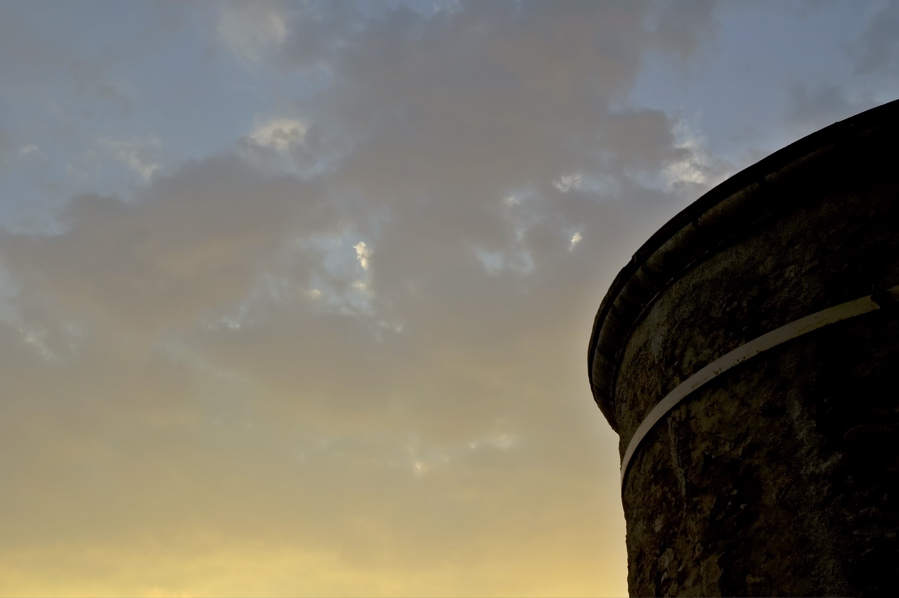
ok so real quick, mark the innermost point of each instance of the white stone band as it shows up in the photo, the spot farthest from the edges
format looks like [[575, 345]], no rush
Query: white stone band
[[747, 351]]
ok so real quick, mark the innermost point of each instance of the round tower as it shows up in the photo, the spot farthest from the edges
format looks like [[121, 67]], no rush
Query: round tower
[[748, 357]]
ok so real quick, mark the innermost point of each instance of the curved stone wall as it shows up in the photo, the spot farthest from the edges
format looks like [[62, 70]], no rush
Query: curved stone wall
[[777, 476]]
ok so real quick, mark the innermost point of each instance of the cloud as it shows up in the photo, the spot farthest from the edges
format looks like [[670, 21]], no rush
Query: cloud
[[575, 239], [134, 153], [363, 253], [193, 241], [279, 134], [29, 150], [567, 182], [251, 31], [225, 260], [220, 348], [695, 168], [285, 145]]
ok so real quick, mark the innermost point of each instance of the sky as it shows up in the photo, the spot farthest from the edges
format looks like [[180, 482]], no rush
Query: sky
[[295, 296]]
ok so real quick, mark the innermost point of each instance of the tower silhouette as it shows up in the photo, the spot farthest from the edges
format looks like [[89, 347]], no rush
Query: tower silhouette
[[748, 357]]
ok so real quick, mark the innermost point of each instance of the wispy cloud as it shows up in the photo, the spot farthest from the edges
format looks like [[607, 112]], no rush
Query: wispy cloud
[[135, 153]]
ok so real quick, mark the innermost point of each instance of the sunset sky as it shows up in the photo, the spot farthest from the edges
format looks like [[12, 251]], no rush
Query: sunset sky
[[295, 296]]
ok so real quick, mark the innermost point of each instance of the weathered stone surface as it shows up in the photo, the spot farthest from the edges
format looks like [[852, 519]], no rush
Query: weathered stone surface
[[779, 476]]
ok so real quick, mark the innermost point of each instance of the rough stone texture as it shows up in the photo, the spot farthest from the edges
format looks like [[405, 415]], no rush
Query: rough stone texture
[[779, 477]]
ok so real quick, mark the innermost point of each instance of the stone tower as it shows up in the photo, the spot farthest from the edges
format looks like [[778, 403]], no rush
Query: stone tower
[[748, 357]]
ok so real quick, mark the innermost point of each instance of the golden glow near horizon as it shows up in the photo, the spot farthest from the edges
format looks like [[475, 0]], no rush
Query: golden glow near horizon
[[295, 297]]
